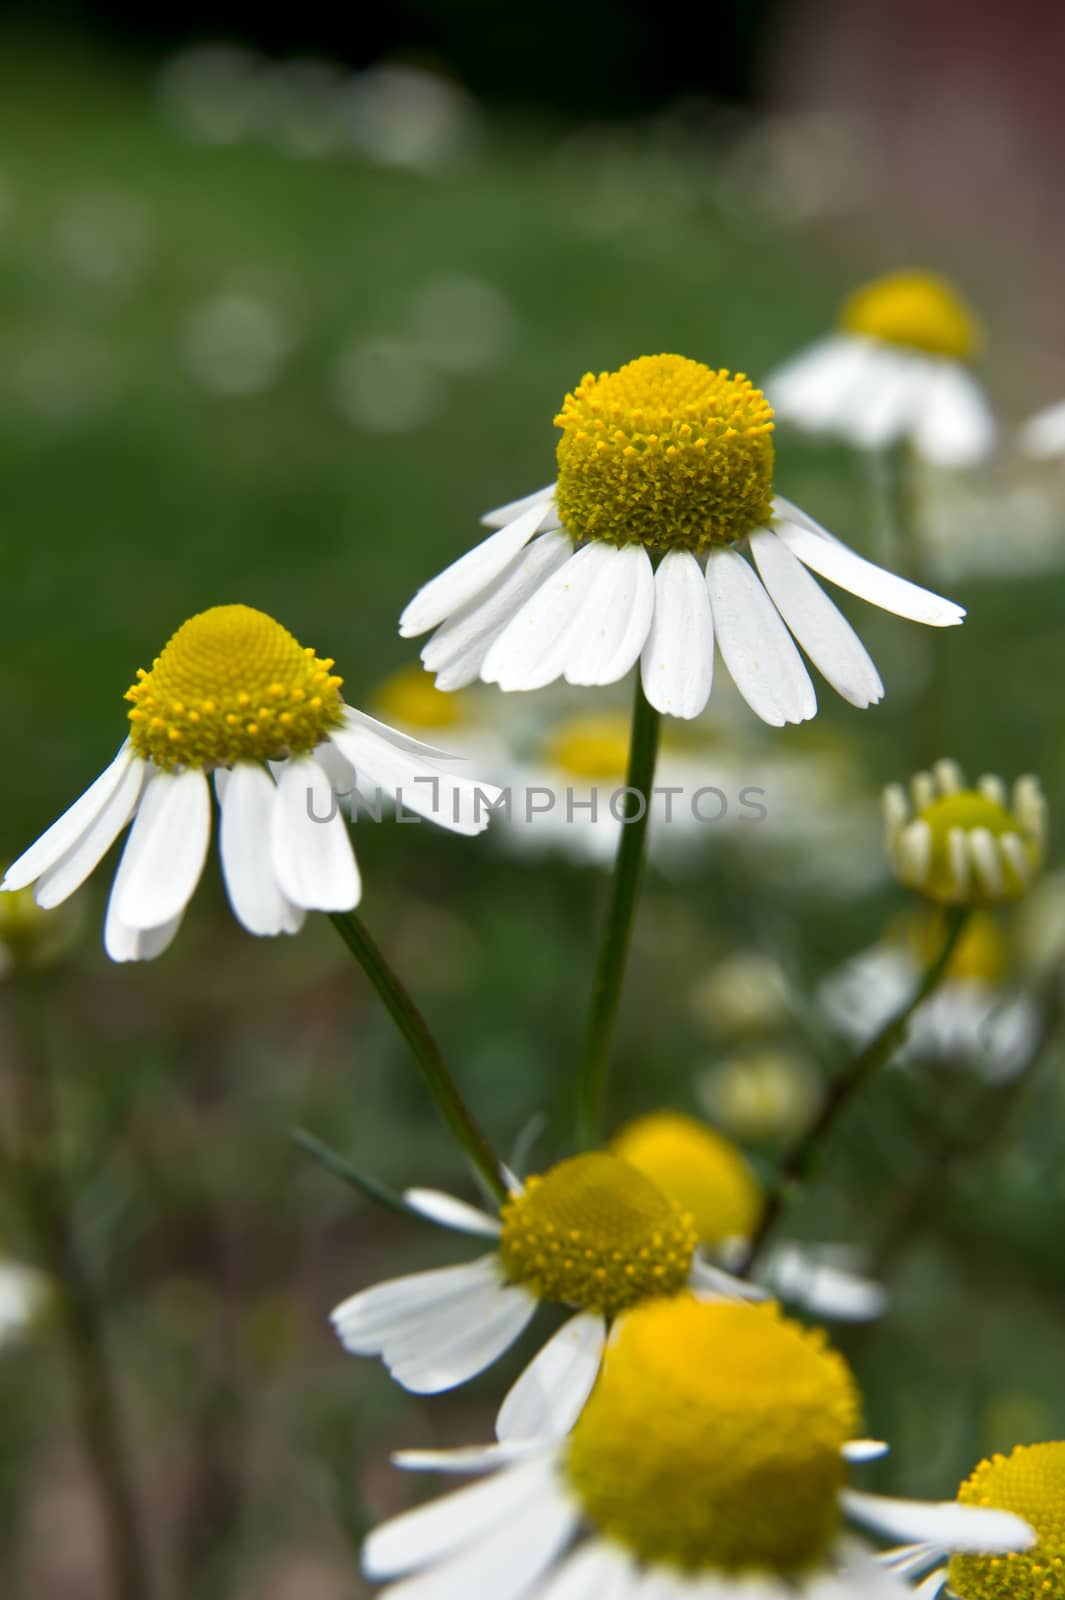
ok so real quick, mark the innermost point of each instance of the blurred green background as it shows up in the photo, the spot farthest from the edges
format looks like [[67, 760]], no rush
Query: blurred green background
[[273, 336]]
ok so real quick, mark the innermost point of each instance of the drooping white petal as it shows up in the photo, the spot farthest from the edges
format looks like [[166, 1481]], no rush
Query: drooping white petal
[[1043, 435], [840, 565], [855, 1574], [531, 650], [910, 1560], [66, 830], [864, 1450], [471, 573], [60, 880], [455, 1348], [426, 785], [932, 1586], [797, 1273], [452, 1213], [954, 425], [677, 667], [502, 515], [365, 1321], [353, 718], [613, 623], [165, 851], [456, 651], [247, 801], [712, 1282], [883, 404], [754, 643], [817, 390], [550, 1394], [820, 627], [434, 1531], [474, 1458], [123, 943], [595, 1571], [313, 861], [508, 1558], [971, 1529]]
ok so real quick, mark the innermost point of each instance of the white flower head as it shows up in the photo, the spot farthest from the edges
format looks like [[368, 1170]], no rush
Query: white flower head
[[709, 1463], [898, 368], [639, 552], [233, 694]]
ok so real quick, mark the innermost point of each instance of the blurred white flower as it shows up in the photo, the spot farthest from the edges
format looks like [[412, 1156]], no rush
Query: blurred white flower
[[1043, 435], [105, 236], [235, 344], [404, 116], [211, 93]]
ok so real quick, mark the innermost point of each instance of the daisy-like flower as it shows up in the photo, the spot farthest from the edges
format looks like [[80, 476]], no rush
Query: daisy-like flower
[[235, 696], [709, 1462], [1030, 1483], [973, 1020], [1042, 437], [965, 847], [592, 1234], [707, 1176], [639, 553], [898, 367]]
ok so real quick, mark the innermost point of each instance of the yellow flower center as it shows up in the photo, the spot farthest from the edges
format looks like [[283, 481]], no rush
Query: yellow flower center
[[596, 748], [666, 452], [712, 1439], [1031, 1484], [232, 685], [981, 954], [701, 1171], [410, 696], [968, 809], [918, 310], [595, 1233]]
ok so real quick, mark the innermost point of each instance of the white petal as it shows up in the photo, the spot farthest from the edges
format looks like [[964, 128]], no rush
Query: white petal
[[311, 852], [614, 621], [813, 390], [754, 643], [433, 1531], [678, 659], [502, 515], [948, 1524], [452, 1213], [596, 1571], [457, 649], [66, 830], [1043, 435], [709, 1281], [822, 630], [473, 1458], [504, 1564], [983, 853], [883, 404], [426, 785], [550, 1394], [857, 1575], [932, 1586], [366, 1320], [456, 1348], [531, 650], [165, 851], [954, 426], [864, 1450], [59, 881], [471, 573], [123, 943], [247, 802], [852, 572], [795, 1273]]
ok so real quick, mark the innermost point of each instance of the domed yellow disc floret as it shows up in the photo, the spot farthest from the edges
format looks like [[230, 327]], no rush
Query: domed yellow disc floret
[[967, 811], [590, 747], [918, 310], [965, 846], [410, 696], [712, 1439], [232, 685], [665, 452], [705, 1174], [595, 1233], [980, 956], [1031, 1484]]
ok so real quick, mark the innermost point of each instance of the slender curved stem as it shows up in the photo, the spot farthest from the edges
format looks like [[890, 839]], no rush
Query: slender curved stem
[[617, 930], [854, 1076], [424, 1048]]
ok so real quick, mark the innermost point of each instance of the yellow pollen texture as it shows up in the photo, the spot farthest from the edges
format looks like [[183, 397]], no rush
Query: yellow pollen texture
[[918, 310], [968, 809], [704, 1173], [1031, 1484], [232, 685], [595, 1233], [711, 1442], [667, 453]]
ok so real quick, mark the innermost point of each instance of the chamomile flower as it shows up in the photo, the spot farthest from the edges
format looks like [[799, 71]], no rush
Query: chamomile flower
[[703, 1172], [1042, 437], [974, 1020], [961, 846], [234, 695], [639, 553], [592, 1233], [709, 1463], [1029, 1483], [898, 367]]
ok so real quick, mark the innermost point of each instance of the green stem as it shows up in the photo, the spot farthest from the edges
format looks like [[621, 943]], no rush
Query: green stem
[[424, 1048], [617, 930], [855, 1075]]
